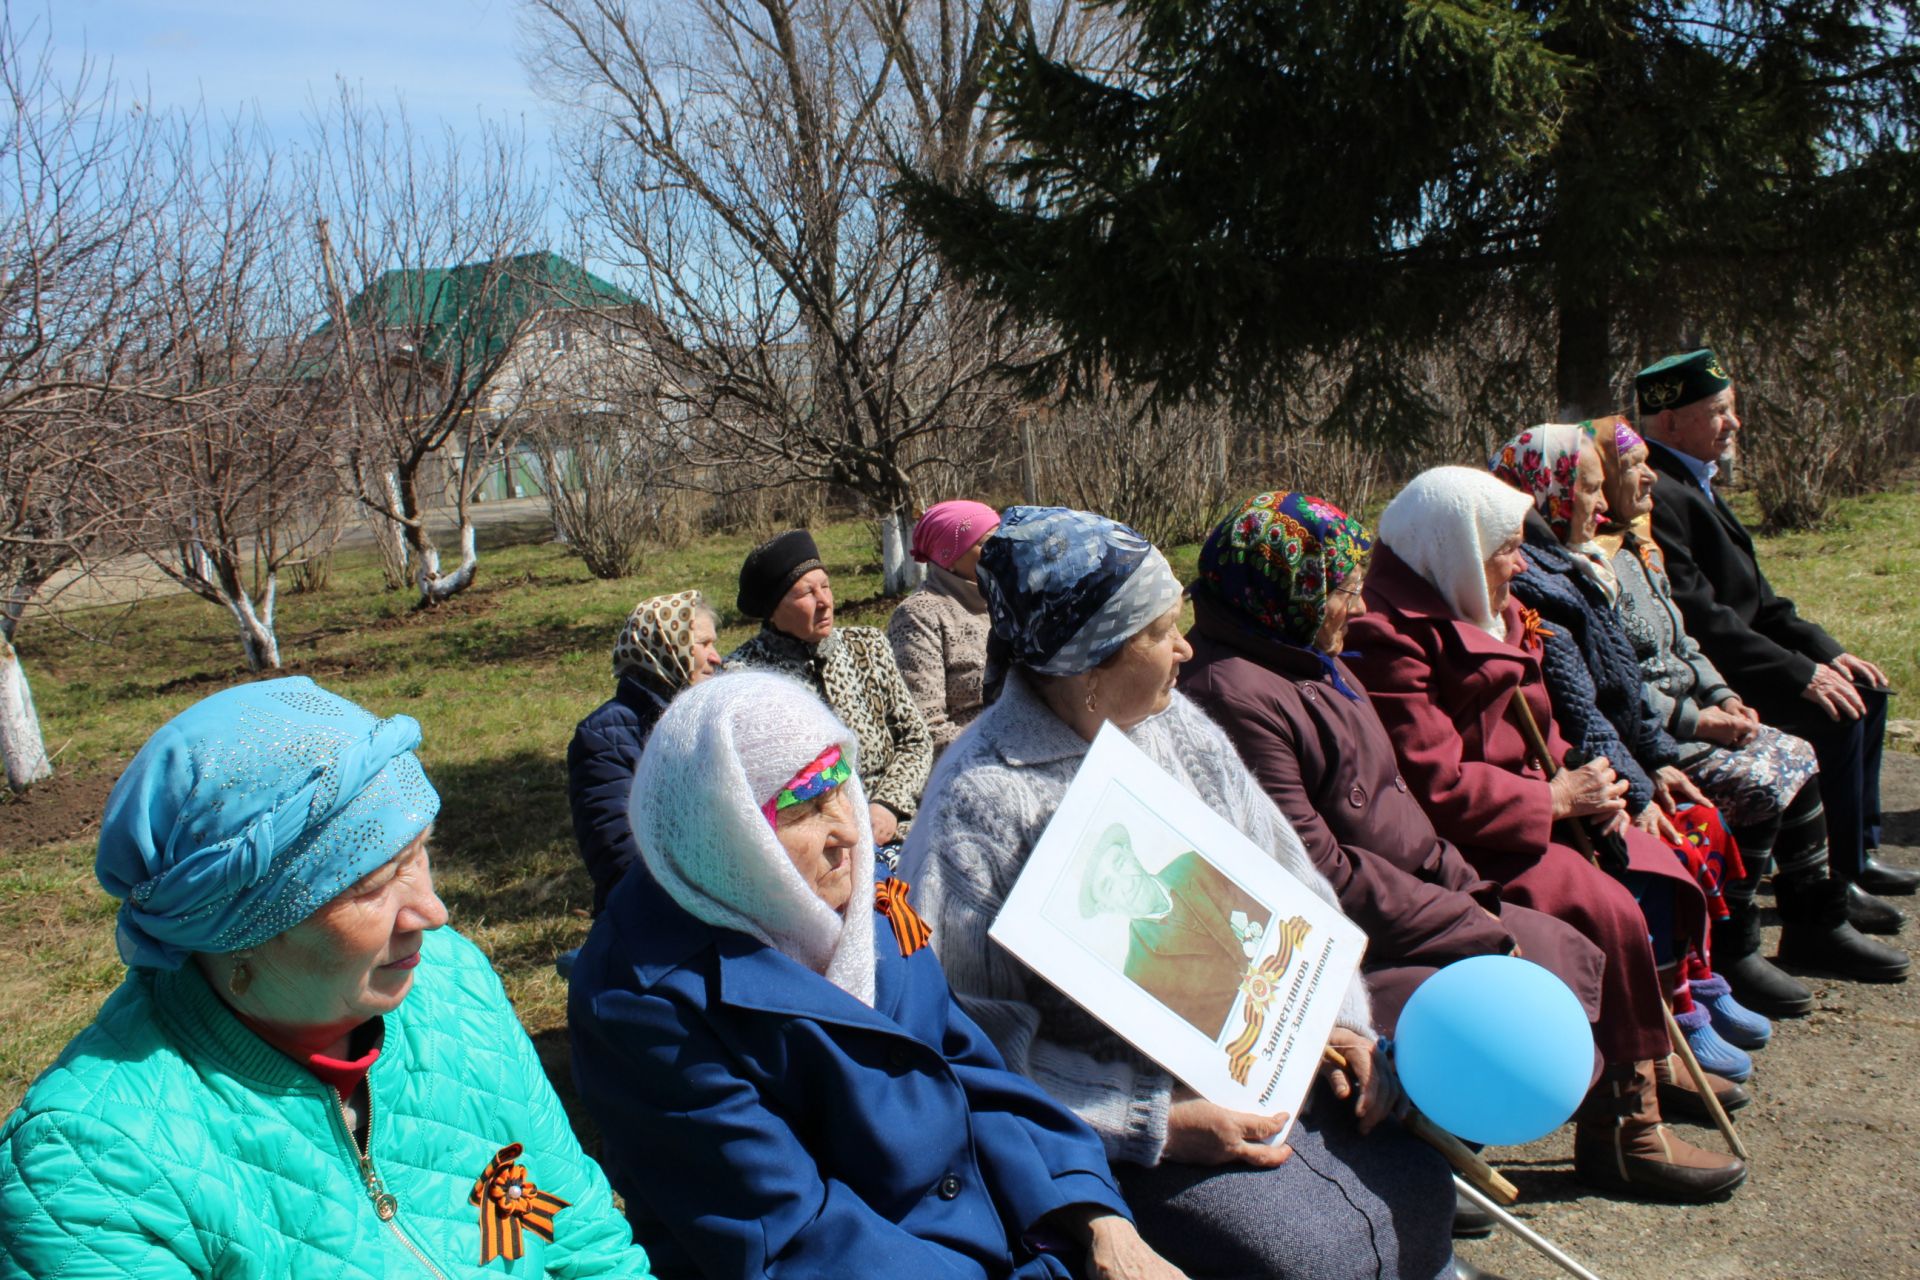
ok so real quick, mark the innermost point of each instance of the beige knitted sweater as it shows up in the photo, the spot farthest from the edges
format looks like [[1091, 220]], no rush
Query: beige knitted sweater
[[939, 638]]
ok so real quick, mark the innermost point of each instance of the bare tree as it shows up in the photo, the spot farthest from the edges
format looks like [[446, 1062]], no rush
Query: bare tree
[[426, 254], [248, 464], [735, 157], [76, 175]]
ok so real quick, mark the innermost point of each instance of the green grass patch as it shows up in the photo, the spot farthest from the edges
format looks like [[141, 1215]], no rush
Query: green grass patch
[[497, 678]]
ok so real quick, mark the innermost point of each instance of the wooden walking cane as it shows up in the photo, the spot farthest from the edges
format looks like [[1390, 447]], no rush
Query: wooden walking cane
[[1537, 743], [1461, 1156]]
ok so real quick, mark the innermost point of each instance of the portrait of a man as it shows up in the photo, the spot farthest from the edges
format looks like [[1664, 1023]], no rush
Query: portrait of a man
[[1192, 932]]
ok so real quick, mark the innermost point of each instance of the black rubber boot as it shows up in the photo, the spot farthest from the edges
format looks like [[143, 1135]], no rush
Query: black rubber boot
[[1815, 934], [1755, 982]]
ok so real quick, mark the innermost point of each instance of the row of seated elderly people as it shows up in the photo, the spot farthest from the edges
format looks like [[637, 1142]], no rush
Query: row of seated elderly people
[[305, 1072]]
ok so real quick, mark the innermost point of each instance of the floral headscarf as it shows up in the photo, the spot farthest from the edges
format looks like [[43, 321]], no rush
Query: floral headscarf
[[1066, 588], [1541, 462], [656, 645], [1275, 561]]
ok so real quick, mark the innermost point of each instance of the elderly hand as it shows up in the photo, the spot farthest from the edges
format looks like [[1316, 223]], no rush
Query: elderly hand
[[1726, 726], [1115, 1251], [1834, 694], [1861, 670], [1590, 790], [885, 825], [1654, 821], [1199, 1132], [1739, 708], [1379, 1088], [1673, 788]]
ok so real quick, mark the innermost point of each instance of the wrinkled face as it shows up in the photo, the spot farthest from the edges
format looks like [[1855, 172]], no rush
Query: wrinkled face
[[1630, 489], [1589, 498], [706, 654], [353, 959], [1502, 565], [820, 836], [806, 611], [1137, 681], [1118, 884], [1705, 429], [1344, 604]]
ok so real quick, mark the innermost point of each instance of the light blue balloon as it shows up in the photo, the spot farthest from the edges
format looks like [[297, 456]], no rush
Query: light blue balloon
[[1494, 1049]]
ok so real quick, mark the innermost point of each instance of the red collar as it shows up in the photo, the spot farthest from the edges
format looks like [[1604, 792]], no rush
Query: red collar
[[343, 1074]]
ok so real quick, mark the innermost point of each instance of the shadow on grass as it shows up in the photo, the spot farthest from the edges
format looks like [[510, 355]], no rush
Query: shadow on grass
[[503, 842]]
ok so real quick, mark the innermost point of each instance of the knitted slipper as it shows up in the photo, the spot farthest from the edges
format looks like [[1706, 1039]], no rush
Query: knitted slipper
[[1737, 1024], [1715, 1054]]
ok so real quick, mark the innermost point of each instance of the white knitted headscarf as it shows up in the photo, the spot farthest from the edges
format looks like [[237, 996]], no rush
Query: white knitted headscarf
[[717, 753], [1445, 524]]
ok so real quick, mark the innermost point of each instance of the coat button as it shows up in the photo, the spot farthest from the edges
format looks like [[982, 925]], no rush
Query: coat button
[[1308, 692], [1356, 797], [949, 1187], [1399, 783]]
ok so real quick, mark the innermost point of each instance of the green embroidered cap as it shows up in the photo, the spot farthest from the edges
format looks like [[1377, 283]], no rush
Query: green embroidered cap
[[1680, 380]]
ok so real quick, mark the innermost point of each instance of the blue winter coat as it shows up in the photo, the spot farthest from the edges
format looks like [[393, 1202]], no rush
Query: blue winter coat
[[601, 759], [1590, 668], [760, 1121]]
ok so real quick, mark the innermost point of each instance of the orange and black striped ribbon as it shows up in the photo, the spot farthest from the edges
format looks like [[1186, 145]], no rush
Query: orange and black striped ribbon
[[1532, 630], [1239, 1050], [510, 1202], [909, 930]]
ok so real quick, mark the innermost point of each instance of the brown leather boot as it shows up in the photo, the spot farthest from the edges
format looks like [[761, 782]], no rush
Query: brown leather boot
[[1680, 1100], [1620, 1145]]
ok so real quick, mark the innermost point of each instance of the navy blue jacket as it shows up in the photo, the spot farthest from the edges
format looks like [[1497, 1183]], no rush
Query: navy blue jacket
[[1590, 668], [760, 1121], [601, 759]]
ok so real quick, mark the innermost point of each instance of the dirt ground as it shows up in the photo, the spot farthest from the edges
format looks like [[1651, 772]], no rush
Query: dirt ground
[[1834, 1131]]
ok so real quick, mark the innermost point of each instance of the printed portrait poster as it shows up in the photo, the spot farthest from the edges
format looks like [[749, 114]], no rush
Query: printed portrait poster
[[1157, 916]]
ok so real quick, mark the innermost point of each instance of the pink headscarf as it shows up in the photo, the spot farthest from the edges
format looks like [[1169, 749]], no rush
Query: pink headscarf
[[949, 529]]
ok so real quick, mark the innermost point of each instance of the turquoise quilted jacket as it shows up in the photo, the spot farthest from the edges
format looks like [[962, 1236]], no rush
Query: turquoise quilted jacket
[[170, 1141]]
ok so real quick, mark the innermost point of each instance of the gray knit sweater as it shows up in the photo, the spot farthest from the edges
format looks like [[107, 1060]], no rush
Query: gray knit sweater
[[991, 796]]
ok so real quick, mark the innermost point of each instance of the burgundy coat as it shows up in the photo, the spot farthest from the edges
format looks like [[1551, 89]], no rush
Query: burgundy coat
[[1326, 761], [1442, 688]]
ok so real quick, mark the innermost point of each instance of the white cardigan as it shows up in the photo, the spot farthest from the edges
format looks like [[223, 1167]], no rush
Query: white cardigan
[[991, 796]]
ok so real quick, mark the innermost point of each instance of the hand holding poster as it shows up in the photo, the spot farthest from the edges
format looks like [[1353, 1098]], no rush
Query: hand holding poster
[[1158, 917]]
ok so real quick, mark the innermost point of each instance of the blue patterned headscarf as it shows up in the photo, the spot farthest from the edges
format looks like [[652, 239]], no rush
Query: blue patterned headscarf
[[251, 809], [1065, 589]]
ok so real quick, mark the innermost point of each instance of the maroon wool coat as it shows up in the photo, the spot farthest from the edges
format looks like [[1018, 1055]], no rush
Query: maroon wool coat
[[1327, 762], [1442, 688]]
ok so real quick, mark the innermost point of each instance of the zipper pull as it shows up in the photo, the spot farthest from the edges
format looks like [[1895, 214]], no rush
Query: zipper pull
[[385, 1205]]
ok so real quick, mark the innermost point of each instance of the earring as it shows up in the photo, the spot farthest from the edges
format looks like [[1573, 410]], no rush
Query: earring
[[241, 977], [1093, 698]]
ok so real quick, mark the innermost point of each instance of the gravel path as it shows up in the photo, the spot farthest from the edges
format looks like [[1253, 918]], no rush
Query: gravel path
[[1835, 1183]]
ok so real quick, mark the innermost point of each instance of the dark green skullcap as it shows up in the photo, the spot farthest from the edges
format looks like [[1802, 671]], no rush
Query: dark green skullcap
[[1678, 381]]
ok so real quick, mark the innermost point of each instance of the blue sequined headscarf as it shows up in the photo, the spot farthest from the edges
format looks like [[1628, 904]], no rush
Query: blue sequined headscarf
[[250, 810], [1065, 588]]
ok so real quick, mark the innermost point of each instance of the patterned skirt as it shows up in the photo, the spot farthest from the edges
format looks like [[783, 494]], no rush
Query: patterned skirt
[[1754, 783]]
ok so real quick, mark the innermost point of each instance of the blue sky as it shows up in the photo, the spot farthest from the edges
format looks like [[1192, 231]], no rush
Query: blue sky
[[453, 60]]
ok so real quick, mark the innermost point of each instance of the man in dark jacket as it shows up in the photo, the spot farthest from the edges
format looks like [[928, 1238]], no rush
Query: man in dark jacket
[[1799, 678]]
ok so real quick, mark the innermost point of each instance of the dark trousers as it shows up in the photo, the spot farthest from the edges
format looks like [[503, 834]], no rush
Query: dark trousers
[[1849, 755]]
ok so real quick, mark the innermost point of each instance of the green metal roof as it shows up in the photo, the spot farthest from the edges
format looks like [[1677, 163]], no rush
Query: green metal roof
[[464, 315]]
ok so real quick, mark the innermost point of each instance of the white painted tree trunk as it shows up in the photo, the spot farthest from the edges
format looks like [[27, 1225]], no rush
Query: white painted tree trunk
[[253, 618], [899, 571], [22, 750], [391, 539], [436, 586]]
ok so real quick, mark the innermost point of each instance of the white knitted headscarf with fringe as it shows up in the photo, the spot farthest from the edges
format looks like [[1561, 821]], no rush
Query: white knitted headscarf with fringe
[[1445, 524], [717, 753]]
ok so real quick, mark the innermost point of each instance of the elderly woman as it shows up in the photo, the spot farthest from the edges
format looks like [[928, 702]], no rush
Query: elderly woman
[[667, 645], [1085, 619], [939, 633], [784, 583], [1455, 677], [1593, 680], [1280, 579], [829, 1110], [1762, 780], [303, 1073]]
